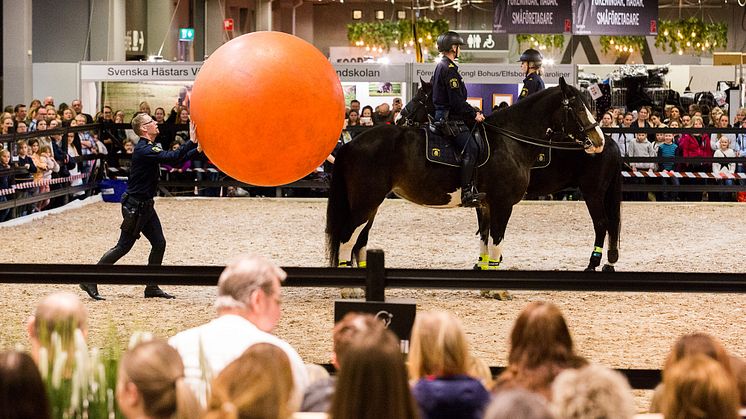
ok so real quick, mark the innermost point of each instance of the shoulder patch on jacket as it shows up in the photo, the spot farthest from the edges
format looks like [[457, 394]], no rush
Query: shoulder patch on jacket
[[451, 65], [454, 83], [156, 149]]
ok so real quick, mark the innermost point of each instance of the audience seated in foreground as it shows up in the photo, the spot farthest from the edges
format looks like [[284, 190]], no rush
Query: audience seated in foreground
[[438, 365], [372, 381], [22, 392], [318, 396], [540, 348], [518, 404], [248, 306], [593, 391], [257, 385], [151, 384]]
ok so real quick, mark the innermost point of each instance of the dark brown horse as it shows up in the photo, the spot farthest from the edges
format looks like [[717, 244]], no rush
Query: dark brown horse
[[392, 158]]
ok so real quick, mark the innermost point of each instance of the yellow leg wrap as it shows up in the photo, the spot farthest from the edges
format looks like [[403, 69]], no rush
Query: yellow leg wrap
[[483, 263], [493, 265], [362, 264]]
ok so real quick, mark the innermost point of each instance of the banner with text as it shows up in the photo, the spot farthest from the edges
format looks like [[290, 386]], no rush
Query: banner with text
[[499, 73], [615, 17], [532, 16], [370, 72], [139, 71]]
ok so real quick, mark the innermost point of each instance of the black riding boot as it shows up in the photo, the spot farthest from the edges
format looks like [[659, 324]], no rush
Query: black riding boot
[[469, 195]]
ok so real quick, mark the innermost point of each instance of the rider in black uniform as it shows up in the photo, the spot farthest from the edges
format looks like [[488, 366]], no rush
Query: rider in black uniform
[[531, 66], [138, 213], [449, 96]]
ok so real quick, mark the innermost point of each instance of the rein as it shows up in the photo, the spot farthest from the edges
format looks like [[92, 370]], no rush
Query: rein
[[571, 145], [548, 140]]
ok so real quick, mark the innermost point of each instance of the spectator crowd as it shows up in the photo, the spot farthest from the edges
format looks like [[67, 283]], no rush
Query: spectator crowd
[[53, 162], [235, 367], [694, 145]]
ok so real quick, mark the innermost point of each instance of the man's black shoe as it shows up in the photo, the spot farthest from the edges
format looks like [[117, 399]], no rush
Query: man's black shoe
[[154, 291], [471, 199], [92, 291]]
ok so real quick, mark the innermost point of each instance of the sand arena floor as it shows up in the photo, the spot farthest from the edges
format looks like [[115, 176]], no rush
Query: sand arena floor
[[624, 330]]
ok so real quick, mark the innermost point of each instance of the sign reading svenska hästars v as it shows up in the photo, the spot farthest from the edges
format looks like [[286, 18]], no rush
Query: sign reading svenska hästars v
[[532, 16], [615, 17]]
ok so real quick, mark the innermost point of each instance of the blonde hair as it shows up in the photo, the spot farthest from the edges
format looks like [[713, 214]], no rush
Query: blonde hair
[[593, 391], [481, 371], [157, 371], [257, 385], [699, 388], [439, 346]]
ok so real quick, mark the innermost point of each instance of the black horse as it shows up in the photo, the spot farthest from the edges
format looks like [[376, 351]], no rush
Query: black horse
[[392, 158]]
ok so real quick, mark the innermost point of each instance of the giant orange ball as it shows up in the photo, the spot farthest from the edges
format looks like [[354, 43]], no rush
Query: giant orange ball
[[268, 108]]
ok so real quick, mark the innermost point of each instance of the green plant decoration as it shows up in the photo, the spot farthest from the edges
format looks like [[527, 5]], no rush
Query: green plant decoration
[[382, 36], [622, 44], [691, 36], [541, 42]]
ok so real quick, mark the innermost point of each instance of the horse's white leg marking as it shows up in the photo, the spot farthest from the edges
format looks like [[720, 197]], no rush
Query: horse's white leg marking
[[362, 256], [496, 252], [345, 249]]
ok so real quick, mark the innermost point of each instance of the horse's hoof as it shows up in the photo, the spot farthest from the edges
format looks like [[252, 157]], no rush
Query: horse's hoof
[[501, 295], [352, 293], [590, 269], [608, 268]]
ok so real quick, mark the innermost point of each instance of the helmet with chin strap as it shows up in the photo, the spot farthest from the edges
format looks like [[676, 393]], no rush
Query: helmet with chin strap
[[446, 40], [532, 56]]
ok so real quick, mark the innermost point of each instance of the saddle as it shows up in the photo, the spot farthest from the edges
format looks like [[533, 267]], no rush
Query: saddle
[[441, 149]]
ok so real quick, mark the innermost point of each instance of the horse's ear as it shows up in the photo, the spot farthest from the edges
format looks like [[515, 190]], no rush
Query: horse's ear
[[563, 86], [422, 82]]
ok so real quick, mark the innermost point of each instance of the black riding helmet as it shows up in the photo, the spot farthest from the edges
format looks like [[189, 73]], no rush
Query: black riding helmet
[[532, 55], [447, 40]]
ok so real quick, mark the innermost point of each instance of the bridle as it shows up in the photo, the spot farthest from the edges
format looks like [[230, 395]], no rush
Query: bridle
[[584, 139], [410, 109]]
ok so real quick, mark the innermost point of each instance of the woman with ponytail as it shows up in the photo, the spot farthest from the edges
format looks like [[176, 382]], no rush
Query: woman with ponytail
[[151, 384]]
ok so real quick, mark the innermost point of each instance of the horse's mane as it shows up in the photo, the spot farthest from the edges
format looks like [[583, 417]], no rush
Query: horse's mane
[[528, 108]]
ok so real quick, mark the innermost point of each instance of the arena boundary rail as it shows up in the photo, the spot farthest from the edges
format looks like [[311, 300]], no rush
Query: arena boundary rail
[[376, 278]]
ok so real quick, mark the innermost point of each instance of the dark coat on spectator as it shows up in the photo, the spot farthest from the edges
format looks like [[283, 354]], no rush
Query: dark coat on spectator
[[454, 397]]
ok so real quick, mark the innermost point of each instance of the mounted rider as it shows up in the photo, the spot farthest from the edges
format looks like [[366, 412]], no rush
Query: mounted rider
[[452, 110], [531, 61]]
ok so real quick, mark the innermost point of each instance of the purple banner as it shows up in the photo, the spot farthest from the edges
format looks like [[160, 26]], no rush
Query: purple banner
[[532, 16], [615, 17]]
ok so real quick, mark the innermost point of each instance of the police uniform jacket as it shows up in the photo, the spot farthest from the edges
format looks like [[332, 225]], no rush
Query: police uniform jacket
[[449, 92], [531, 84], [145, 169]]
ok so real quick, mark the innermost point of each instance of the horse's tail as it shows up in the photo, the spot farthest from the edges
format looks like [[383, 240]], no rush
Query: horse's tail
[[613, 208], [337, 210]]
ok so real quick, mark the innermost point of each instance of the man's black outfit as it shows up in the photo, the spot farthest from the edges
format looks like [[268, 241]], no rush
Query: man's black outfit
[[449, 96], [138, 213]]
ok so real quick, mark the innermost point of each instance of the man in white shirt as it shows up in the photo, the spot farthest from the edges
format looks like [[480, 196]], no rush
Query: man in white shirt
[[248, 306]]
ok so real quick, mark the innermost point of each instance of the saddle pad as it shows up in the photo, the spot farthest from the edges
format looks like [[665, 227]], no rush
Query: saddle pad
[[442, 150]]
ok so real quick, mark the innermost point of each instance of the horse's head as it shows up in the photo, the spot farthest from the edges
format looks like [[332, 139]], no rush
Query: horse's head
[[576, 121], [421, 105]]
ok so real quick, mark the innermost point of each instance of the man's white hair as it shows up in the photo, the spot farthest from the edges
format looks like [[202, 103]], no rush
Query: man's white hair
[[244, 276]]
